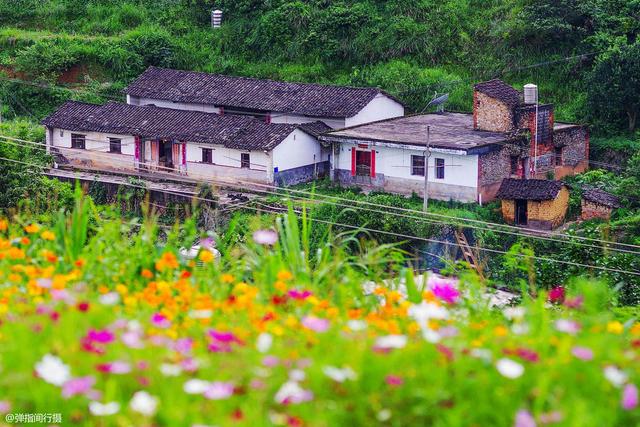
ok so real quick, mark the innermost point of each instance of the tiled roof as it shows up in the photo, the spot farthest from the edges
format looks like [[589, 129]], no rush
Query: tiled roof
[[239, 132], [316, 128], [601, 197], [259, 94], [498, 89], [528, 189]]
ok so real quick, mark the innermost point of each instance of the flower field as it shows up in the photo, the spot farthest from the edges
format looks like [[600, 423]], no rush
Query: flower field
[[106, 324]]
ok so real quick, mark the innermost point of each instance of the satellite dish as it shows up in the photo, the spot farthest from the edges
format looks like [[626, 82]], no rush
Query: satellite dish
[[439, 101]]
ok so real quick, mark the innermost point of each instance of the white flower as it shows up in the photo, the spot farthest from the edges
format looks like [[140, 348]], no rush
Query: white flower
[[265, 237], [430, 335], [200, 314], [567, 326], [509, 368], [52, 370], [481, 353], [514, 313], [520, 329], [291, 392], [384, 415], [297, 375], [357, 325], [170, 369], [615, 376], [111, 298], [338, 374], [264, 342], [391, 341], [144, 403], [195, 386], [426, 311], [103, 409]]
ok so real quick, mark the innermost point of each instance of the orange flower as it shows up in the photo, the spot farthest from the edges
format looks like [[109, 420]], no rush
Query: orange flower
[[47, 235], [33, 228], [79, 263], [4, 224], [146, 273], [284, 275], [206, 256], [167, 260], [25, 241], [227, 278]]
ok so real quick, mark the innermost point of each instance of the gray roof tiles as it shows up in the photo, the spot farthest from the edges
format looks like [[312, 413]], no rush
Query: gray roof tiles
[[529, 189]]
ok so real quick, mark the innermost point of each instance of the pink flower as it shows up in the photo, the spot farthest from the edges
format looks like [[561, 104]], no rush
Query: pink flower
[[96, 340], [265, 237], [183, 345], [5, 406], [270, 361], [582, 353], [160, 321], [568, 326], [524, 419], [446, 291], [557, 295], [394, 380], [316, 324], [575, 302], [75, 386], [221, 341], [218, 390], [629, 397], [116, 367], [299, 295]]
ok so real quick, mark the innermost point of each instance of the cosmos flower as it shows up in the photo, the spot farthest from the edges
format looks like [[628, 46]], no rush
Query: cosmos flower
[[582, 353], [509, 368], [170, 369], [110, 298], [446, 292], [117, 367], [316, 324], [394, 380], [195, 386], [557, 295], [339, 375], [264, 342], [265, 237], [291, 393], [52, 370], [159, 320], [144, 403], [389, 342], [103, 409], [299, 295], [567, 326], [524, 419], [615, 376], [76, 386], [629, 397], [218, 390]]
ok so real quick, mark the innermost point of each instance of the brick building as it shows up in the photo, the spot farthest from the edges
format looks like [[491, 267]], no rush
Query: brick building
[[470, 154], [597, 203], [534, 203]]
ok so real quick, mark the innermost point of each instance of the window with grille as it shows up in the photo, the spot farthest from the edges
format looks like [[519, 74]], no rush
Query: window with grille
[[77, 141], [417, 165]]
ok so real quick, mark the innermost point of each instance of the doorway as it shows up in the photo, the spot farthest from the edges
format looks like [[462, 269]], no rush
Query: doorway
[[165, 154], [363, 163], [521, 212]]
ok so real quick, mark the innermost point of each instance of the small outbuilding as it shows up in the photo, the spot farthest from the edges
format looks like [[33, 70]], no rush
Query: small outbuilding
[[598, 203], [534, 203]]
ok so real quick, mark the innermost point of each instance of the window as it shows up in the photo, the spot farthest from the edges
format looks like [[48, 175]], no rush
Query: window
[[115, 145], [439, 168], [514, 165], [207, 155], [245, 160], [558, 152], [417, 165], [77, 141]]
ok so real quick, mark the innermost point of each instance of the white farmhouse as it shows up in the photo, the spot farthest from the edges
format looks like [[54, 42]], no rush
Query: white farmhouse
[[122, 137], [269, 100]]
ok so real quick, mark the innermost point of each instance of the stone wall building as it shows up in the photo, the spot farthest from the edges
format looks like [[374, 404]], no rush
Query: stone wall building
[[534, 203], [597, 203]]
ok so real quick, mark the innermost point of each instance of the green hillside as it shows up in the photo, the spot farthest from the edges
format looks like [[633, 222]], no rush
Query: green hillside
[[413, 49]]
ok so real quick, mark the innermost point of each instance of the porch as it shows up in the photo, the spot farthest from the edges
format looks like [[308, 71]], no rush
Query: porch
[[164, 155]]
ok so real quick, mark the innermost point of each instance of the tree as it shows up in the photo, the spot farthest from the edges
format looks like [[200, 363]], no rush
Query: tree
[[613, 86]]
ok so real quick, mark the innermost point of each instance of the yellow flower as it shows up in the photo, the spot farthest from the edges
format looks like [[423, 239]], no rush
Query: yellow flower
[[615, 327], [33, 228], [48, 235], [280, 285], [122, 289], [227, 278], [206, 256], [500, 331], [284, 275]]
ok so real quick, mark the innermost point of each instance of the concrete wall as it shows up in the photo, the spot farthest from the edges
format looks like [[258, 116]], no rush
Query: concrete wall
[[379, 108], [301, 174], [491, 114], [393, 172]]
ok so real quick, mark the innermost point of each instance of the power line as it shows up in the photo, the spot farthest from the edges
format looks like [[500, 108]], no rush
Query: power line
[[489, 225], [314, 196]]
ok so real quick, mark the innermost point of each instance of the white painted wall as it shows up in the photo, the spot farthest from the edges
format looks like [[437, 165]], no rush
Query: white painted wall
[[170, 104], [379, 108], [298, 149], [96, 149], [332, 122], [395, 162]]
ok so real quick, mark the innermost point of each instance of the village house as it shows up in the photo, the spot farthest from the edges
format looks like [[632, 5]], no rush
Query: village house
[[598, 203], [269, 100], [122, 137], [469, 155], [534, 203]]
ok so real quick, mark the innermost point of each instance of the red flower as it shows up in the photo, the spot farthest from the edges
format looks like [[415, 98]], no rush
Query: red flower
[[557, 295], [394, 380], [446, 351], [83, 306]]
